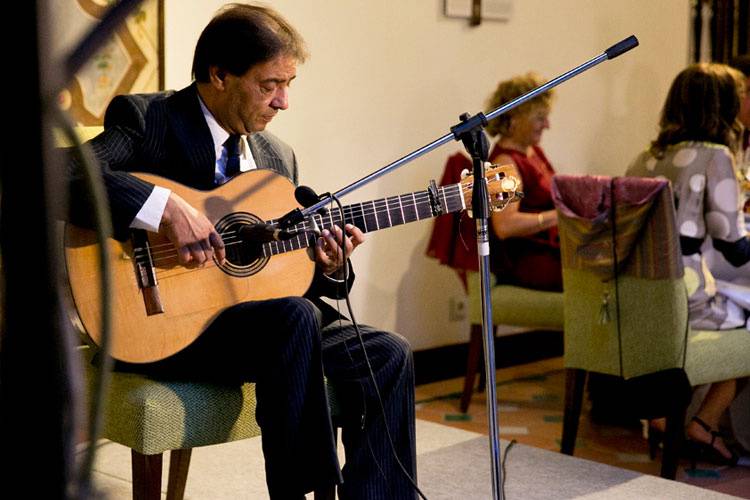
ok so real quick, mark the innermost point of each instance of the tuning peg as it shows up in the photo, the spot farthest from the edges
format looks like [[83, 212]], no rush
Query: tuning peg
[[509, 184], [464, 173]]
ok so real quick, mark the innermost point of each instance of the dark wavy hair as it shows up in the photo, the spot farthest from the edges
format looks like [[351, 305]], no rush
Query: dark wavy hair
[[702, 105], [241, 36], [506, 91]]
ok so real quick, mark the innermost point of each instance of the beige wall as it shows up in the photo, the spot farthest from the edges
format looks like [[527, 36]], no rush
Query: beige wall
[[387, 77]]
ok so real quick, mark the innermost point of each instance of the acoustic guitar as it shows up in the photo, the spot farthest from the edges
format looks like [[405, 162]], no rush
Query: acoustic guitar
[[160, 307]]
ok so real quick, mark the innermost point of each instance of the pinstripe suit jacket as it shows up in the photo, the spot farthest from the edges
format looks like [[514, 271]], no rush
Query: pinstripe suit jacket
[[164, 134]]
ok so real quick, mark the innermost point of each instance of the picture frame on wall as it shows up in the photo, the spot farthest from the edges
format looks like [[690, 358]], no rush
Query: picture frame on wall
[[131, 61], [478, 10]]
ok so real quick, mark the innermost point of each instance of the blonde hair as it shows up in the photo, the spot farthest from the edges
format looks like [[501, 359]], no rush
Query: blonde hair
[[506, 91]]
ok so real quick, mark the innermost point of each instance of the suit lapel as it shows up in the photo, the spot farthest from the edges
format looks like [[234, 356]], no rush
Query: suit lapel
[[265, 155], [193, 135]]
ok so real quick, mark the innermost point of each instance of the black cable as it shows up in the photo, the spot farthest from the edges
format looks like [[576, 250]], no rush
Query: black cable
[[616, 269], [103, 228], [505, 461], [342, 246], [94, 39]]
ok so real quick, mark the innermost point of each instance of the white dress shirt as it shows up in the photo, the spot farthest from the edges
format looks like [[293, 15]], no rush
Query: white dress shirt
[[150, 214]]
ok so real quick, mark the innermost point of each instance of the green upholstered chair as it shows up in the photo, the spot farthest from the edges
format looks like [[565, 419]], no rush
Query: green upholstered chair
[[453, 243], [637, 328], [511, 305], [152, 416]]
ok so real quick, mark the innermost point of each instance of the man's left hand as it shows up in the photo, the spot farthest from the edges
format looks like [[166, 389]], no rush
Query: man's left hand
[[329, 253]]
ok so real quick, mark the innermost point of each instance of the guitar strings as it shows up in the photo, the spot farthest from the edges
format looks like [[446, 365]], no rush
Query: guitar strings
[[272, 248], [350, 212], [165, 252], [376, 207], [364, 210], [169, 252]]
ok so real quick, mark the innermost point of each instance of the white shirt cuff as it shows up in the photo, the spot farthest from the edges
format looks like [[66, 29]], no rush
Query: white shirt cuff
[[149, 216], [340, 271]]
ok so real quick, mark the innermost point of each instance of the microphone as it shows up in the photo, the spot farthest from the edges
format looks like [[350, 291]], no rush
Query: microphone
[[621, 47], [263, 233], [306, 196]]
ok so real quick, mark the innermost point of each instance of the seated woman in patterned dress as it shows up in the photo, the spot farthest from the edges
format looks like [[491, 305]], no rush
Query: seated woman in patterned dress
[[699, 139]]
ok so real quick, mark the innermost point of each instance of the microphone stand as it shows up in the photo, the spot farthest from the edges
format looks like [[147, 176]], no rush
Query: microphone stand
[[476, 144], [470, 132]]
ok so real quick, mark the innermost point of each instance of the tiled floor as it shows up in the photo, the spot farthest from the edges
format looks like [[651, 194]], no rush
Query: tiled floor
[[530, 407]]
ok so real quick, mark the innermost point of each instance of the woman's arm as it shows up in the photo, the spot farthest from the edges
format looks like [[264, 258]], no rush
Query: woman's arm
[[511, 222], [725, 220]]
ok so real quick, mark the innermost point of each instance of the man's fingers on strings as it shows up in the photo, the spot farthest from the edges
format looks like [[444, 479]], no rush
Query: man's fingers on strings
[[218, 246], [198, 253], [356, 235], [184, 256]]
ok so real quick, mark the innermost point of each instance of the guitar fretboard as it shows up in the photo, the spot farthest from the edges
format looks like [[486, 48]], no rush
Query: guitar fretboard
[[372, 216]]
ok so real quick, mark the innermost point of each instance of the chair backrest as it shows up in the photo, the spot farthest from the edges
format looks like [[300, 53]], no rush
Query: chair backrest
[[624, 297]]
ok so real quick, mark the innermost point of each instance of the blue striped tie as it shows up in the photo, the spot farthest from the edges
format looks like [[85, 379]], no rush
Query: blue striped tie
[[232, 166]]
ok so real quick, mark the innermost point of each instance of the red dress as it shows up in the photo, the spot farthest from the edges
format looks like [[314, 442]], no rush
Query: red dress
[[529, 261], [532, 261]]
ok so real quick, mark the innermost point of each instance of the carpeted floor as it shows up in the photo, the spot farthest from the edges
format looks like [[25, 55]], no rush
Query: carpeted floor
[[530, 402], [452, 464], [453, 472], [611, 462]]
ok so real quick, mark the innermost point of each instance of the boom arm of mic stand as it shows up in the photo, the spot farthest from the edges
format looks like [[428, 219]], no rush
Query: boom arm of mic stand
[[612, 52]]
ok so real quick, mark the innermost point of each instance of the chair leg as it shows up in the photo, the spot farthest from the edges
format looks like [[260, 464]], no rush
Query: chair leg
[[673, 438], [146, 476], [472, 363], [179, 463], [575, 380]]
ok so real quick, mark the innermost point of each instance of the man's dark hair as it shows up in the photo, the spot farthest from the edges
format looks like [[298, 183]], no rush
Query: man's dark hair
[[241, 36]]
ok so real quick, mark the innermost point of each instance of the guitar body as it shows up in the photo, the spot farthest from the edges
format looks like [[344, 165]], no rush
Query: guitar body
[[189, 298]]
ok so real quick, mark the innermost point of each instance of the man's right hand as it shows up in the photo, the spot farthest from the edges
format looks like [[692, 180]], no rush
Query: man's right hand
[[191, 233]]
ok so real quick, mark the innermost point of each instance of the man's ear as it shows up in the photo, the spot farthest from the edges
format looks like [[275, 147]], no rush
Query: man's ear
[[217, 76]]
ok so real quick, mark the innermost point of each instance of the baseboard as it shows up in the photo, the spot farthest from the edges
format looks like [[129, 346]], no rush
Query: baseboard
[[440, 363]]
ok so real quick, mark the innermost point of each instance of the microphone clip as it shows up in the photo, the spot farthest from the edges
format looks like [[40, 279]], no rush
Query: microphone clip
[[306, 197]]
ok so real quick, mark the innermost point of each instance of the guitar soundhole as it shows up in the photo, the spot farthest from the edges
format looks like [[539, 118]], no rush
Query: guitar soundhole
[[243, 258]]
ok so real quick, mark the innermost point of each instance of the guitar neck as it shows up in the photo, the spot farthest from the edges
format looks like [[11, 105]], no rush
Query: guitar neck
[[373, 215]]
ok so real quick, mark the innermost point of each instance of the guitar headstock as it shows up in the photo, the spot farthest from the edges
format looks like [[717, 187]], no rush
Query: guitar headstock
[[502, 188]]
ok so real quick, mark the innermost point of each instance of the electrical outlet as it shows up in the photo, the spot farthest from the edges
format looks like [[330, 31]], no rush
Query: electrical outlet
[[456, 309]]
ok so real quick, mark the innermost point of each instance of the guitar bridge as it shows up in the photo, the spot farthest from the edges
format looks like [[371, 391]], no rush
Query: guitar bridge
[[145, 273]]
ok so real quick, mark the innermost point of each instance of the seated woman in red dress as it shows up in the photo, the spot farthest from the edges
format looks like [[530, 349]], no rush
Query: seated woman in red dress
[[524, 248], [524, 245]]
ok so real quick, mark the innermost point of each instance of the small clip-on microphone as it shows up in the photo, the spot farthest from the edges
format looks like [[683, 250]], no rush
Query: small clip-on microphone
[[305, 196]]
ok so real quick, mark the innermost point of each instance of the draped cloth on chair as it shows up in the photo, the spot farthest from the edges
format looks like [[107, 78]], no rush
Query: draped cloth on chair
[[641, 218], [625, 302]]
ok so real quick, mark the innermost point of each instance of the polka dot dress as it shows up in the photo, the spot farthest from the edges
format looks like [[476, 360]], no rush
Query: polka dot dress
[[709, 203]]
